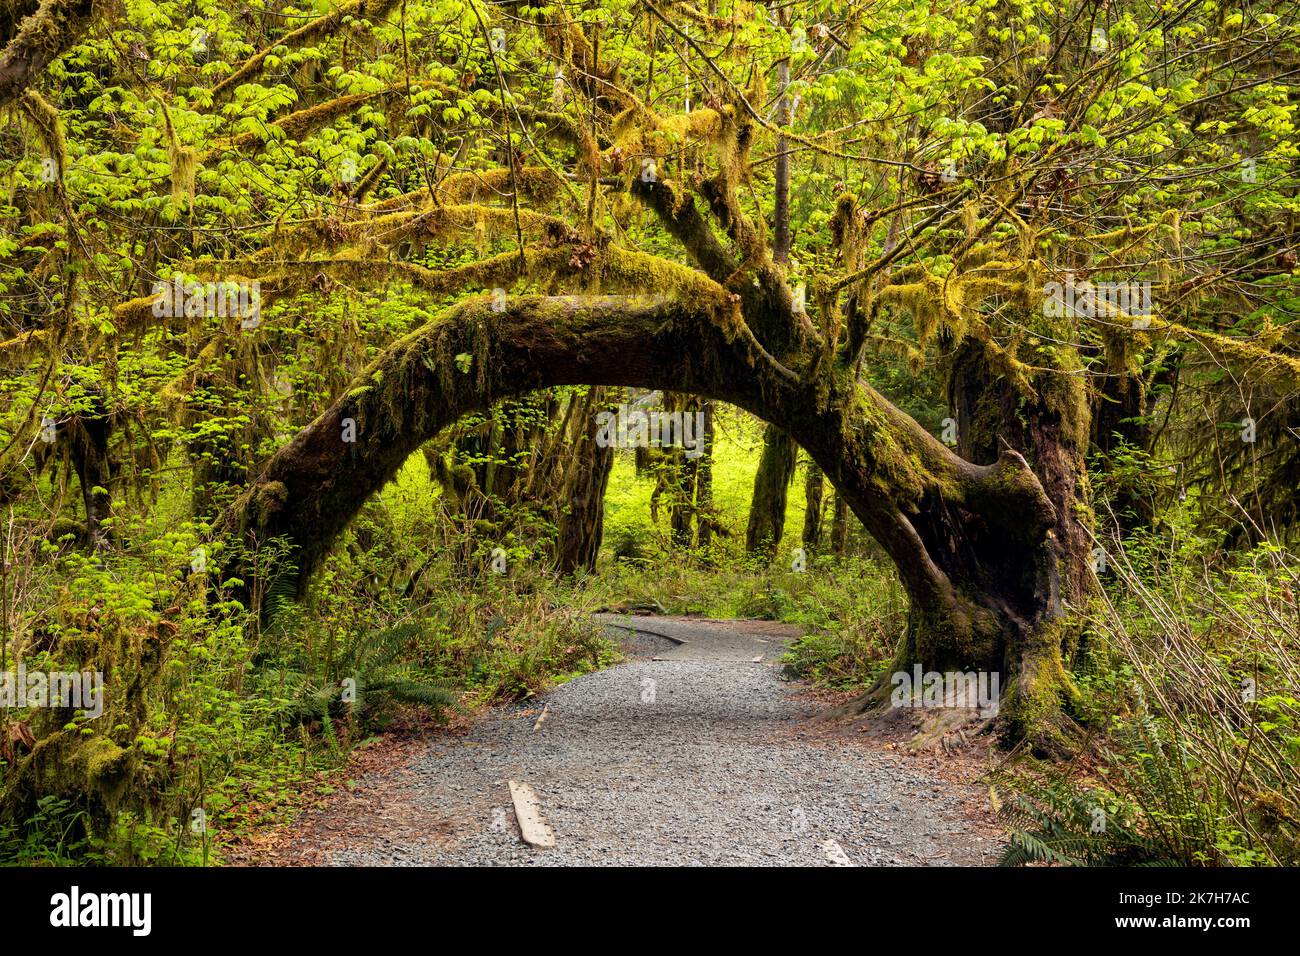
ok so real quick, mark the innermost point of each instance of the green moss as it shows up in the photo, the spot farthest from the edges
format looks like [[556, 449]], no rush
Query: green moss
[[48, 126], [102, 761], [1036, 700], [268, 499]]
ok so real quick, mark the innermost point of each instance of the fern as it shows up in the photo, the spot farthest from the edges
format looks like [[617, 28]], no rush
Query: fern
[[375, 663], [1051, 820], [1158, 816]]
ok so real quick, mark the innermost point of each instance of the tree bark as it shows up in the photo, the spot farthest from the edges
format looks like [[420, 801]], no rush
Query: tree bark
[[1050, 428], [41, 38], [89, 436], [812, 515], [840, 526], [583, 519], [776, 465], [781, 203], [705, 518], [681, 475], [771, 484]]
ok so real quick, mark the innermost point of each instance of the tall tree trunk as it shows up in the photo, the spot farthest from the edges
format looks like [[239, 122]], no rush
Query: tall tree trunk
[[89, 434], [1049, 425], [776, 465], [781, 204], [704, 487], [583, 516], [812, 515], [840, 526], [681, 476], [771, 483], [1050, 428]]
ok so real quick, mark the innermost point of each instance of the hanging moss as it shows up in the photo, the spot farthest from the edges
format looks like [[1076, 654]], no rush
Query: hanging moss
[[184, 162], [641, 133], [183, 159], [48, 126]]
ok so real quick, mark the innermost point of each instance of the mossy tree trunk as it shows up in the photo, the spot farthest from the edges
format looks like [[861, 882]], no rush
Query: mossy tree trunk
[[973, 543], [583, 500], [840, 526], [777, 463], [89, 435], [812, 515], [771, 485], [40, 39], [1049, 425]]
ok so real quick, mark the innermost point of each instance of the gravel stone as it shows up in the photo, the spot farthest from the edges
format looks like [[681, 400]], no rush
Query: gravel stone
[[697, 759]]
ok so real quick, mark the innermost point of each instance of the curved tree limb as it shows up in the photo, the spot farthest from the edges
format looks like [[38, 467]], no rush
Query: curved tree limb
[[952, 528]]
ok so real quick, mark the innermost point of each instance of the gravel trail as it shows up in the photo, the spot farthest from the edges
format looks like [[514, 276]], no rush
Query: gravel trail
[[694, 752]]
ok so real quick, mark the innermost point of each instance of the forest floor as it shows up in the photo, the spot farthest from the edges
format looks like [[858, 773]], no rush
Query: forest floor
[[692, 751]]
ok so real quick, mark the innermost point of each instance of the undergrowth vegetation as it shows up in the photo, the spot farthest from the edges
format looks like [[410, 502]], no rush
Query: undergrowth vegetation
[[236, 706], [1189, 672]]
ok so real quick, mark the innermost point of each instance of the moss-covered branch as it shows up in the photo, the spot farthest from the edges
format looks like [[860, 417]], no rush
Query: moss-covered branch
[[42, 37], [312, 30]]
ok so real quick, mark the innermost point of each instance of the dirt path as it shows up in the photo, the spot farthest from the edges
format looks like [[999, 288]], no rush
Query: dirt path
[[693, 752]]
